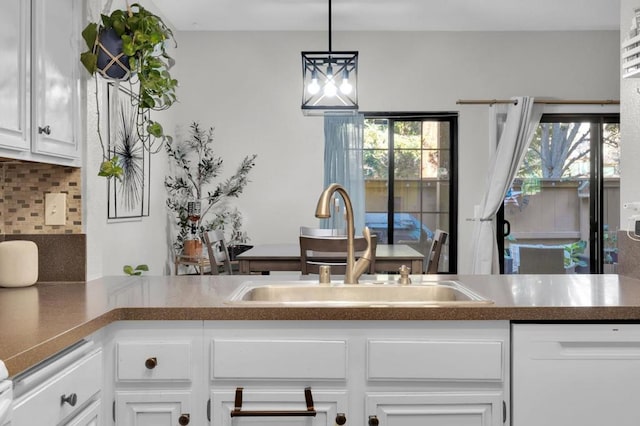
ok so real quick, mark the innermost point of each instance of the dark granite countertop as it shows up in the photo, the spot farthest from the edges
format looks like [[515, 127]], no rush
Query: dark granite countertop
[[38, 321]]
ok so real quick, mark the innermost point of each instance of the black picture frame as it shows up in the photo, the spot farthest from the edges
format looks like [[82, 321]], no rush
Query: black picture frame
[[129, 197]]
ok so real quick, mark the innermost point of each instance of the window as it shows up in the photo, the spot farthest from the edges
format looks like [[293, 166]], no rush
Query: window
[[566, 197], [409, 165]]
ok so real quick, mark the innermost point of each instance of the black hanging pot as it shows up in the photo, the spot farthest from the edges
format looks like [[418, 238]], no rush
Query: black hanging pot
[[112, 63]]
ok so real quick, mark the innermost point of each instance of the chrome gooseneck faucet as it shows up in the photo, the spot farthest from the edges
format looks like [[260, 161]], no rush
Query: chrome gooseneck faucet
[[354, 269]]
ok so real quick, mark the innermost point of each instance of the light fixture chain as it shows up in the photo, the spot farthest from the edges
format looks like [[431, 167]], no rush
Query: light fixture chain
[[330, 50]]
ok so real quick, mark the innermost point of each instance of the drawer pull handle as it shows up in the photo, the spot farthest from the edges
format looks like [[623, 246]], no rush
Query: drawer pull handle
[[373, 421], [309, 412], [341, 419], [151, 363], [70, 399], [46, 130], [184, 419]]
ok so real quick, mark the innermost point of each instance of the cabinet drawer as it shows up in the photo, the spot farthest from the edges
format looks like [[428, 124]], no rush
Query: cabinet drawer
[[77, 384], [143, 361], [435, 360], [279, 359]]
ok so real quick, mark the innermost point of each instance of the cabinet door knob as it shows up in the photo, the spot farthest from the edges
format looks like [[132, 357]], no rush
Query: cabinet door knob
[[184, 419], [69, 399], [341, 419], [151, 363], [46, 130], [373, 421]]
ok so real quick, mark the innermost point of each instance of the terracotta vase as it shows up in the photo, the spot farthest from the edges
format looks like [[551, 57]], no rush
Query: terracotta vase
[[192, 248]]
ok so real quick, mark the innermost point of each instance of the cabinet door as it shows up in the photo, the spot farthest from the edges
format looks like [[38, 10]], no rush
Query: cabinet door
[[56, 79], [435, 409], [154, 408], [14, 74], [90, 416], [576, 374], [60, 396], [327, 404]]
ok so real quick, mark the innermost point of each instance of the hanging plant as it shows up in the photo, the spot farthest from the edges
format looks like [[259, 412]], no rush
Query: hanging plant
[[130, 45]]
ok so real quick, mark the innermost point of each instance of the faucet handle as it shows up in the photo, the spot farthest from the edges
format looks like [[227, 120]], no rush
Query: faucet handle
[[404, 275], [366, 233]]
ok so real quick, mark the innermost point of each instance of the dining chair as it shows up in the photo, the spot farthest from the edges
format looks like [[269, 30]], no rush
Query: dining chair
[[432, 259], [217, 252], [332, 251], [320, 232]]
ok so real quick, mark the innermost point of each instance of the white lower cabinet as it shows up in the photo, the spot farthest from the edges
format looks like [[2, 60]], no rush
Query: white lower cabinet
[[435, 409], [400, 373], [261, 407], [157, 373], [90, 416], [153, 408], [61, 391], [260, 374], [576, 374], [306, 373]]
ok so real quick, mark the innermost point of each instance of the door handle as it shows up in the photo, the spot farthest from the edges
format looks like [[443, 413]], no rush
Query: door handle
[[239, 412]]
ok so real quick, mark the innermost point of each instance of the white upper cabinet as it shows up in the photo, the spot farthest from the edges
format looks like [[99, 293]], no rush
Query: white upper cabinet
[[40, 103], [56, 111], [14, 75]]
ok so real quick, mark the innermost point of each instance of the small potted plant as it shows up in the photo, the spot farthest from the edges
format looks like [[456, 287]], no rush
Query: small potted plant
[[131, 45]]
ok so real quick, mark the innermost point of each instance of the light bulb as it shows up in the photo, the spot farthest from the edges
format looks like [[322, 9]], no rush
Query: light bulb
[[313, 87], [346, 87], [329, 72], [330, 89]]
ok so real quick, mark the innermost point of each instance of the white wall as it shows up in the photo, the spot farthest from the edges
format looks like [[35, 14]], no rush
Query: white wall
[[248, 86]]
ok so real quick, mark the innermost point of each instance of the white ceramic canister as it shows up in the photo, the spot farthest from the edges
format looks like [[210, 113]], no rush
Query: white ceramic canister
[[18, 263]]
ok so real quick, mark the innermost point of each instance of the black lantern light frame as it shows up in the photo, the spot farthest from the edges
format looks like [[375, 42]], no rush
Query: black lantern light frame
[[329, 80]]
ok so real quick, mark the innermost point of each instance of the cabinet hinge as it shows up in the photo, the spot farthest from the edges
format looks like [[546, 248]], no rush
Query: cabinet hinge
[[209, 409], [504, 412]]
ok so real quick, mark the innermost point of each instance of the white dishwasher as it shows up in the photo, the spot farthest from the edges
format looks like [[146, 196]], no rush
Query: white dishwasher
[[6, 395], [575, 374]]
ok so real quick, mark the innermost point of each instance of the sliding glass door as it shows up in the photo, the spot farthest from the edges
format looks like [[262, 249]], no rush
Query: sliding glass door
[[561, 215]]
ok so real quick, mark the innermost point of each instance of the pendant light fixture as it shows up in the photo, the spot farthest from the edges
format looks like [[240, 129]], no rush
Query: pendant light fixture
[[329, 80]]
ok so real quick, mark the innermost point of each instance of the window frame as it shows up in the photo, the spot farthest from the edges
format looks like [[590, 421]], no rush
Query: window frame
[[445, 116]]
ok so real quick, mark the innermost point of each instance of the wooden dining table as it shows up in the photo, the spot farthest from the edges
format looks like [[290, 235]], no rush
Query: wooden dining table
[[286, 257]]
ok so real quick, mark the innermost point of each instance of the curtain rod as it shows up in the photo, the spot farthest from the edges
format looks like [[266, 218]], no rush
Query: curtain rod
[[541, 101]]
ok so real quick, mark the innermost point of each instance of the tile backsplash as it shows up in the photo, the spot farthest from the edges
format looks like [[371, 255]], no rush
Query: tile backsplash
[[23, 187], [61, 248]]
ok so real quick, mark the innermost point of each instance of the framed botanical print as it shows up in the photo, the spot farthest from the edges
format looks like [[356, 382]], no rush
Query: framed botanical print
[[129, 196]]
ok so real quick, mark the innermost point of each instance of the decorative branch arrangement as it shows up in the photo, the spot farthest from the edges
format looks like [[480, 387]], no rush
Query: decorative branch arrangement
[[196, 168]]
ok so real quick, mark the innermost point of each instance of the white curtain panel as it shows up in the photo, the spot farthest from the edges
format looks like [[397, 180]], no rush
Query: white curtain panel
[[522, 119], [343, 139]]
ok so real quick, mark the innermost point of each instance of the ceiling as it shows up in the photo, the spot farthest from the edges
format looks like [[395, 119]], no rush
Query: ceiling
[[392, 15]]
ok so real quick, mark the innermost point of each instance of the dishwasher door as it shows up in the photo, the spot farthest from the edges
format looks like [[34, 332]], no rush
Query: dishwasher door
[[575, 374], [6, 397]]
